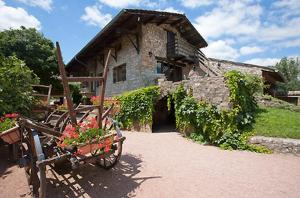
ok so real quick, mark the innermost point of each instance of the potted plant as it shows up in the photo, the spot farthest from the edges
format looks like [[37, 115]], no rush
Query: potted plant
[[86, 137], [9, 130]]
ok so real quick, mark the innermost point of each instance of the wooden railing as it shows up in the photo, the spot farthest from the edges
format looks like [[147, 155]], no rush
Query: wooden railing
[[180, 47]]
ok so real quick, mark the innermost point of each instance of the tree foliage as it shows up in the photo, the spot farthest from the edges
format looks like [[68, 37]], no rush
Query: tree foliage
[[290, 68], [15, 85], [34, 49]]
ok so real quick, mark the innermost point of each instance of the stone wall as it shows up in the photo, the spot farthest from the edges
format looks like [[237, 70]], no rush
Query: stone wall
[[210, 89], [223, 66], [278, 145]]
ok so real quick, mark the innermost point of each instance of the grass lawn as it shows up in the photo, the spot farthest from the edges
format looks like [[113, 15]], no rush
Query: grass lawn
[[275, 122]]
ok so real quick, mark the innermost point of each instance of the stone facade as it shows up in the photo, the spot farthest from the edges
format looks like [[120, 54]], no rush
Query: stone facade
[[141, 68], [210, 89]]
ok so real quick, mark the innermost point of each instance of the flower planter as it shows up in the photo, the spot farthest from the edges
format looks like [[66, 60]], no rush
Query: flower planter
[[97, 144], [11, 136], [87, 148]]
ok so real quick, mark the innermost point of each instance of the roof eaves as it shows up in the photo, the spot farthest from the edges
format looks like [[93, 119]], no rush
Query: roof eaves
[[97, 36]]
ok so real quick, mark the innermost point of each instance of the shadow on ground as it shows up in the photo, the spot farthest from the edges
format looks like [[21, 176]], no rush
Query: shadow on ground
[[93, 181], [5, 160]]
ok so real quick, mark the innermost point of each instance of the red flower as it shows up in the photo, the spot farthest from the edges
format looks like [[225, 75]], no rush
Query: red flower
[[70, 132], [93, 123], [13, 115], [107, 149], [107, 142], [62, 145], [100, 145]]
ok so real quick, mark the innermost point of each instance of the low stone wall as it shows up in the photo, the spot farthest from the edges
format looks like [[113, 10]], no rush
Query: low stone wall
[[210, 89], [278, 145]]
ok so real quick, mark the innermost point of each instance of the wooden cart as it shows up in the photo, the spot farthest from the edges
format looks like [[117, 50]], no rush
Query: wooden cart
[[39, 140]]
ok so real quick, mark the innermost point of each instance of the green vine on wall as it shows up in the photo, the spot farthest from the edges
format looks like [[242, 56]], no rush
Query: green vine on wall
[[138, 106], [204, 122]]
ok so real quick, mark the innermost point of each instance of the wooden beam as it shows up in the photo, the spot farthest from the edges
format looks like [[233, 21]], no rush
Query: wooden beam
[[135, 44], [177, 22], [66, 87], [102, 93], [162, 21], [147, 20], [82, 79]]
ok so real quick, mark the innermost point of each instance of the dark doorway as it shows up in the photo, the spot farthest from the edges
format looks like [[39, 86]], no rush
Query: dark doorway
[[164, 119], [172, 72]]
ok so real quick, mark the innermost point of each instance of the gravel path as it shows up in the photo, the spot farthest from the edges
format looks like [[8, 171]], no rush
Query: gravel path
[[167, 165]]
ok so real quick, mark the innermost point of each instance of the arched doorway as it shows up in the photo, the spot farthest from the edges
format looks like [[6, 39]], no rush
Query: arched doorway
[[163, 118]]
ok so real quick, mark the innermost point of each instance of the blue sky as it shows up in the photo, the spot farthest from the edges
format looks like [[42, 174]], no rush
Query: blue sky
[[253, 31]]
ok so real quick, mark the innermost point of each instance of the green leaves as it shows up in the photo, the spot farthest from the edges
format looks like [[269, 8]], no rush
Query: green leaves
[[34, 49], [220, 127], [138, 106], [15, 85]]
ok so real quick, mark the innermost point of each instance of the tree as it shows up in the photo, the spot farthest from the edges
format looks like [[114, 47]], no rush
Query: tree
[[15, 85], [290, 68], [34, 49]]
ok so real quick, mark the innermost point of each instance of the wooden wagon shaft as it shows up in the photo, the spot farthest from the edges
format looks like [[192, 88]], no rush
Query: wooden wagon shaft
[[65, 85], [102, 93], [53, 159], [83, 79], [42, 129]]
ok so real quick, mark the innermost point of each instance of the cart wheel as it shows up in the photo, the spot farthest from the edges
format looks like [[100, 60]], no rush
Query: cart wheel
[[111, 160]]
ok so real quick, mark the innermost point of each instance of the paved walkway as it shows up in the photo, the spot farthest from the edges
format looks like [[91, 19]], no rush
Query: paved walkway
[[167, 165]]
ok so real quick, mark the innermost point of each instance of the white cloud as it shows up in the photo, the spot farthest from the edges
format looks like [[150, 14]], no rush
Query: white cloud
[[93, 16], [44, 4], [251, 50], [274, 32], [121, 3], [221, 49], [196, 3], [287, 7], [263, 61], [291, 43], [230, 18], [12, 17], [171, 9]]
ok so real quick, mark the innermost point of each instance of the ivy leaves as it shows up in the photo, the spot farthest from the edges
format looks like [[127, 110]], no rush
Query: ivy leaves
[[138, 106], [219, 127]]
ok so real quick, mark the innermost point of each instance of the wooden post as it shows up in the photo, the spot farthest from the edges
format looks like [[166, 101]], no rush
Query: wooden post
[[49, 94], [102, 93], [66, 87]]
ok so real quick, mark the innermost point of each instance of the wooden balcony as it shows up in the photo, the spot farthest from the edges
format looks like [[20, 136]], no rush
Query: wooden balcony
[[179, 49]]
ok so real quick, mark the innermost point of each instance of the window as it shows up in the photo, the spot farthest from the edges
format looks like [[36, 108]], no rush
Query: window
[[119, 73]]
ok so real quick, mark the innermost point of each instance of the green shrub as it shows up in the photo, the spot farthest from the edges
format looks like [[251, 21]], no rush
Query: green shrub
[[216, 126], [137, 106], [15, 85]]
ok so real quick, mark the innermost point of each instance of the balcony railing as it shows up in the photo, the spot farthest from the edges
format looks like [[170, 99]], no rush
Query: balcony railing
[[180, 48]]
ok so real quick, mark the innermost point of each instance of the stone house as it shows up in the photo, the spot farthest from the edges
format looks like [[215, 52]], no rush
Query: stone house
[[146, 45], [149, 45], [154, 47]]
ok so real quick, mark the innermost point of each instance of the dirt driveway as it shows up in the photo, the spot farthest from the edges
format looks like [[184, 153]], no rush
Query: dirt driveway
[[167, 165]]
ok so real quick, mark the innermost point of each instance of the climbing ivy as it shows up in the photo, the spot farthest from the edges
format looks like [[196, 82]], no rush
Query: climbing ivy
[[242, 88], [137, 106], [223, 128]]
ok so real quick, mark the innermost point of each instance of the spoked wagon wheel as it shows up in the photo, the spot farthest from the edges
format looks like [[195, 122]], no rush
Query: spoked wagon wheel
[[111, 159], [36, 176]]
